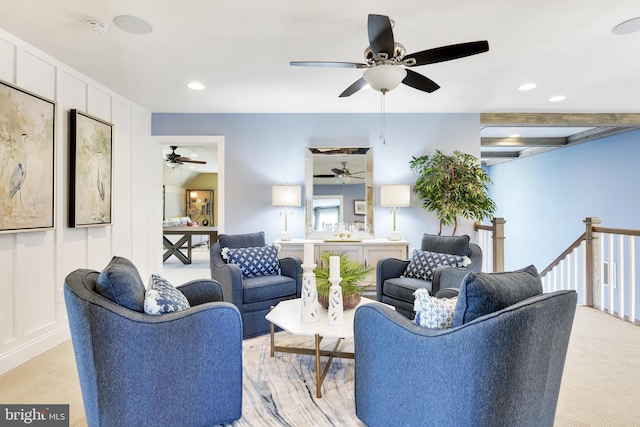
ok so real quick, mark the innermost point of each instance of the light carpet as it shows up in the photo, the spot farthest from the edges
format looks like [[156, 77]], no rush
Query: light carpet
[[600, 384]]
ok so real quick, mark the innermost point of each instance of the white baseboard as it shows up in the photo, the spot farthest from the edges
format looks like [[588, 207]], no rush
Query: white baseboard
[[27, 351]]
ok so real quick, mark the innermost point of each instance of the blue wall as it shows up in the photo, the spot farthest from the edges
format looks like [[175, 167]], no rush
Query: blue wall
[[546, 197], [266, 149]]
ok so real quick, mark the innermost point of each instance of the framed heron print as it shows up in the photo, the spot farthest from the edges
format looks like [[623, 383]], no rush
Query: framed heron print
[[90, 170], [27, 160]]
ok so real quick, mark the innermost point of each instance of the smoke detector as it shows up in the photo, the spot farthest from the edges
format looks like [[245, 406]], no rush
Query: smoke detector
[[96, 26]]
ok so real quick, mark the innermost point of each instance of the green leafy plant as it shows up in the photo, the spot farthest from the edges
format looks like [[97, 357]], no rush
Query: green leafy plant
[[352, 273], [452, 186]]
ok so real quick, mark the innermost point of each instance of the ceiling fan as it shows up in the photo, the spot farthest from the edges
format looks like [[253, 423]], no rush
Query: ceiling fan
[[341, 173], [386, 60], [174, 159]]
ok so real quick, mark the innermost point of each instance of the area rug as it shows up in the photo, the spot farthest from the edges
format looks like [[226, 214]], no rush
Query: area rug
[[281, 390]]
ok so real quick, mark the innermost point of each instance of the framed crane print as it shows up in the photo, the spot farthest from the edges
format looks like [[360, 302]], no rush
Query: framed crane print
[[90, 170], [27, 160]]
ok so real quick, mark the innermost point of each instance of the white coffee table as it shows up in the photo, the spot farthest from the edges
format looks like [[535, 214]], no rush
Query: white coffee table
[[287, 315]]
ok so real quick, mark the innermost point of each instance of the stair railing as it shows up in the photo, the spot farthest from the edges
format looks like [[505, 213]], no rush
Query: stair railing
[[601, 266]]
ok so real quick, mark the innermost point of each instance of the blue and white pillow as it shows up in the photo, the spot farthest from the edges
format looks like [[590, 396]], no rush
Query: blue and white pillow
[[432, 312], [162, 297], [424, 263], [254, 261]]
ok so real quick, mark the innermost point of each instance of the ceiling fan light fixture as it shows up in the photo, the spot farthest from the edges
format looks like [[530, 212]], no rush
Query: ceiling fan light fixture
[[385, 77], [172, 164]]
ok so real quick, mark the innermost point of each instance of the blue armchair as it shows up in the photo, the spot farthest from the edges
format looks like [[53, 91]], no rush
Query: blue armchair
[[501, 368], [393, 288], [254, 295], [182, 368]]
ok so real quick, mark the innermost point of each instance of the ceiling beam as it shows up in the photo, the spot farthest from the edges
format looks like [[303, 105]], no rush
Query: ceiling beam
[[524, 142], [560, 119], [500, 154], [597, 133]]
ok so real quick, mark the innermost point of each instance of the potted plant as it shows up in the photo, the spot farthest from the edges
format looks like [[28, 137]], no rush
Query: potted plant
[[452, 186], [351, 272]]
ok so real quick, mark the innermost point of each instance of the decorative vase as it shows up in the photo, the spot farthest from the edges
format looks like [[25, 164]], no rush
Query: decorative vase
[[348, 301], [309, 309], [336, 310]]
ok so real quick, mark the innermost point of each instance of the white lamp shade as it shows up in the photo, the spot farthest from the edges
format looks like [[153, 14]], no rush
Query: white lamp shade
[[384, 77], [395, 195], [286, 195]]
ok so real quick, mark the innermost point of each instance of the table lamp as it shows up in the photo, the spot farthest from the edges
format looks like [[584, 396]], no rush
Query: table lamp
[[287, 196], [395, 196]]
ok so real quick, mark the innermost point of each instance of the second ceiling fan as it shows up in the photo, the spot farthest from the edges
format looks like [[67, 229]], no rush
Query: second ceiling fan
[[386, 60], [174, 159]]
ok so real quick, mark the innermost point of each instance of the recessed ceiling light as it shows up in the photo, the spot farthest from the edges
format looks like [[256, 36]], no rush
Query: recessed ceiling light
[[627, 27], [557, 98], [515, 135], [132, 24], [527, 86], [195, 86]]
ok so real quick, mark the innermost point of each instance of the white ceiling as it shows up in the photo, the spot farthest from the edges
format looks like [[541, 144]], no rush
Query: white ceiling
[[240, 50]]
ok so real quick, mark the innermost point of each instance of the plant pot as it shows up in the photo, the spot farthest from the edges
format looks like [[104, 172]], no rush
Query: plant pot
[[348, 301]]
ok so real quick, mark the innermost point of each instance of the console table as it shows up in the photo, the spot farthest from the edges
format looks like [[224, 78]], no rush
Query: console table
[[186, 233], [368, 251]]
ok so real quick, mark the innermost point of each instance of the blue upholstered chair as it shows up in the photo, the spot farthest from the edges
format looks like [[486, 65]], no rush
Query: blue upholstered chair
[[254, 295], [500, 364], [182, 368], [394, 288]]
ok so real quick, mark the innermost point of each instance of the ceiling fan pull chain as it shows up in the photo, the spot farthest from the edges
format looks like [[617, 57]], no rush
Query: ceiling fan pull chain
[[382, 117]]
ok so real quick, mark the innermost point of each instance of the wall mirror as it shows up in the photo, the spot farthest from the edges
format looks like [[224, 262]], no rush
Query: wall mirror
[[338, 188]]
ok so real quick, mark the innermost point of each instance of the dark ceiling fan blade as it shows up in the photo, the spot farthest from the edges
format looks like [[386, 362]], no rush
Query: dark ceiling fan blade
[[338, 171], [200, 162], [324, 176], [188, 160], [181, 159], [381, 35], [356, 86], [420, 82], [447, 53], [327, 64]]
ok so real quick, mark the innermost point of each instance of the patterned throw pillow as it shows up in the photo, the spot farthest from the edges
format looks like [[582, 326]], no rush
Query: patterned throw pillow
[[255, 261], [432, 312], [162, 297], [424, 263]]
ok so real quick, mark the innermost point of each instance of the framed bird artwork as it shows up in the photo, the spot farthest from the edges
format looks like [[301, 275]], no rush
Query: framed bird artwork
[[90, 170], [27, 160]]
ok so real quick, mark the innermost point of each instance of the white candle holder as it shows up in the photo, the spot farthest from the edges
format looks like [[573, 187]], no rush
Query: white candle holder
[[309, 311], [336, 309]]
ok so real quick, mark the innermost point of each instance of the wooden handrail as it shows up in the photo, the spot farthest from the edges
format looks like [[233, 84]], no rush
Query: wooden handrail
[[567, 251], [624, 231], [479, 226]]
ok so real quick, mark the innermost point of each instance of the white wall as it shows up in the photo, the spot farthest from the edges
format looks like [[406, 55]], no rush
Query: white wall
[[34, 264], [546, 197]]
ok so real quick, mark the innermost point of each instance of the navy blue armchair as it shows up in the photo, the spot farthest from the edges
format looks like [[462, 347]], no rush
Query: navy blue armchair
[[500, 369], [255, 295], [394, 289], [181, 368]]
